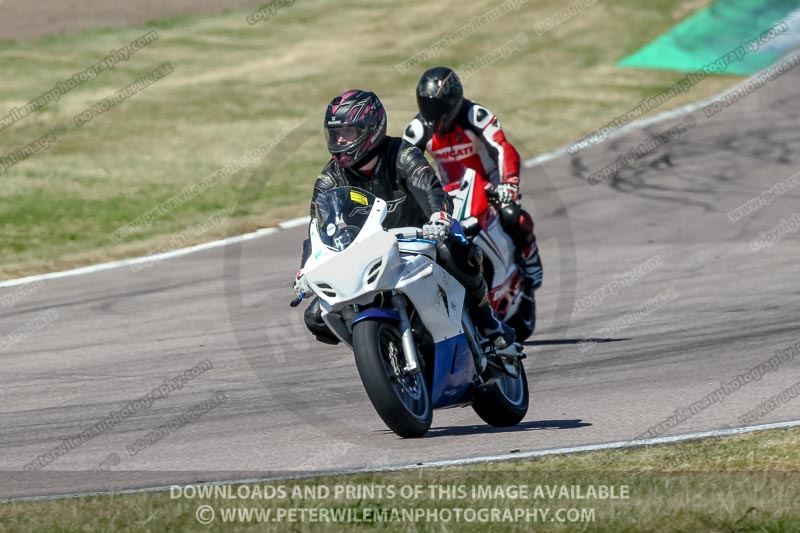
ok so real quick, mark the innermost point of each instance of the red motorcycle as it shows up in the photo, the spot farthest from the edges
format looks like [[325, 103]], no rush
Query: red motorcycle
[[476, 208]]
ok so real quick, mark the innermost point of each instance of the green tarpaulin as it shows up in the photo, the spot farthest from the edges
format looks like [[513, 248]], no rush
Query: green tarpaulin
[[718, 29]]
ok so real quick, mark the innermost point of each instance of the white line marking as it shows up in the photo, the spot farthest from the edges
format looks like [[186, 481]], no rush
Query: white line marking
[[137, 260], [447, 462], [300, 221], [636, 124], [646, 121]]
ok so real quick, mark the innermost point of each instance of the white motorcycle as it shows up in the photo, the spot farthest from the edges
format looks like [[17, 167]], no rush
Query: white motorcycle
[[383, 295]]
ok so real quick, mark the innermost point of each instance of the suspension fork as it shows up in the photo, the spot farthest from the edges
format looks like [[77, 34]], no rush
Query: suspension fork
[[400, 302], [478, 351]]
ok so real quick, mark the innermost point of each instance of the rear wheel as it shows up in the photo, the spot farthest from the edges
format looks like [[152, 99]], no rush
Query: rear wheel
[[503, 401], [401, 399], [524, 320]]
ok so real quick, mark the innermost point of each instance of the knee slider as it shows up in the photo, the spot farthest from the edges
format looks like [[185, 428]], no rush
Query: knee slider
[[525, 221], [509, 215]]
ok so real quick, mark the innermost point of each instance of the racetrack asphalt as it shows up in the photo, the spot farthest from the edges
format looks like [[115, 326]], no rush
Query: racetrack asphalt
[[717, 310]]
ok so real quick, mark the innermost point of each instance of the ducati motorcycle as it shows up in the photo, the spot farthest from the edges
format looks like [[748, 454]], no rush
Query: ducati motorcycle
[[476, 209]]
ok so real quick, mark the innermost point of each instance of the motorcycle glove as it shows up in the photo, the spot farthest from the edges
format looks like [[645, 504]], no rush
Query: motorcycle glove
[[507, 193], [437, 227], [301, 285]]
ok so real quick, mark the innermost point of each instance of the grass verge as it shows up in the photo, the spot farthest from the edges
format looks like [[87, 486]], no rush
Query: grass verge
[[237, 86], [743, 483]]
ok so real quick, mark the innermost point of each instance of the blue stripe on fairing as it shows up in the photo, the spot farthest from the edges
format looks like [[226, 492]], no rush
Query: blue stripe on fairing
[[453, 368], [428, 241], [376, 312], [453, 371]]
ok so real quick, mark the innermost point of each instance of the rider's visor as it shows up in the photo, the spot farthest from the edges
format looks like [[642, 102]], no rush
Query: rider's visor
[[341, 138], [431, 109]]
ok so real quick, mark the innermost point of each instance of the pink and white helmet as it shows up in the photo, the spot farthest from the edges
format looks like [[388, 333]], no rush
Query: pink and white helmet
[[355, 124]]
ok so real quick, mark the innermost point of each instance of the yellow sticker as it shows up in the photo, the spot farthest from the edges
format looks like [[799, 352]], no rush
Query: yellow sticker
[[358, 198]]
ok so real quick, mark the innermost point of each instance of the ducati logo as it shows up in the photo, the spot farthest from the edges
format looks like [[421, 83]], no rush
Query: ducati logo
[[454, 153]]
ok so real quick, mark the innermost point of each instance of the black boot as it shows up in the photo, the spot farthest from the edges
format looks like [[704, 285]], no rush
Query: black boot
[[313, 319], [484, 318], [465, 262], [532, 266]]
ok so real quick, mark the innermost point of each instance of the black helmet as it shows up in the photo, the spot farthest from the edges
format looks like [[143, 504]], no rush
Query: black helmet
[[439, 97], [355, 123]]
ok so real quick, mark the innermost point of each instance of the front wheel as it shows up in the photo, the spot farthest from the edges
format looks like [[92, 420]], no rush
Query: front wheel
[[504, 400], [401, 399]]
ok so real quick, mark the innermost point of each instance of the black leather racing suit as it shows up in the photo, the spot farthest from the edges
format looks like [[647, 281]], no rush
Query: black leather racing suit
[[409, 185]]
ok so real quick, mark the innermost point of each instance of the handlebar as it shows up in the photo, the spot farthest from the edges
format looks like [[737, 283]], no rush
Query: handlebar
[[417, 238], [416, 235]]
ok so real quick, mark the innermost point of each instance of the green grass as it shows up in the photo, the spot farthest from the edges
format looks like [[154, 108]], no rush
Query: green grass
[[733, 484], [237, 86]]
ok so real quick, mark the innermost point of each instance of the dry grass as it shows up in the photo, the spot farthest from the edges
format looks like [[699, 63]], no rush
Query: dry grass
[[744, 483], [236, 86]]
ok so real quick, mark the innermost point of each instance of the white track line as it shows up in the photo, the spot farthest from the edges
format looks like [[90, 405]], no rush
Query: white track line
[[444, 463], [646, 121], [138, 260], [91, 269], [295, 222], [636, 124]]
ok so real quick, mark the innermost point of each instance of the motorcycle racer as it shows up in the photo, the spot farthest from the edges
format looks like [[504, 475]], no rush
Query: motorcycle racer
[[459, 134], [363, 156]]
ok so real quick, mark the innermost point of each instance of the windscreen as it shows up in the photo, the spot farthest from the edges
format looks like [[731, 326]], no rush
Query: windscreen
[[341, 213]]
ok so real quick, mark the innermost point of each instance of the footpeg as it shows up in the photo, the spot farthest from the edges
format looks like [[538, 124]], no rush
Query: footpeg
[[513, 350]]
